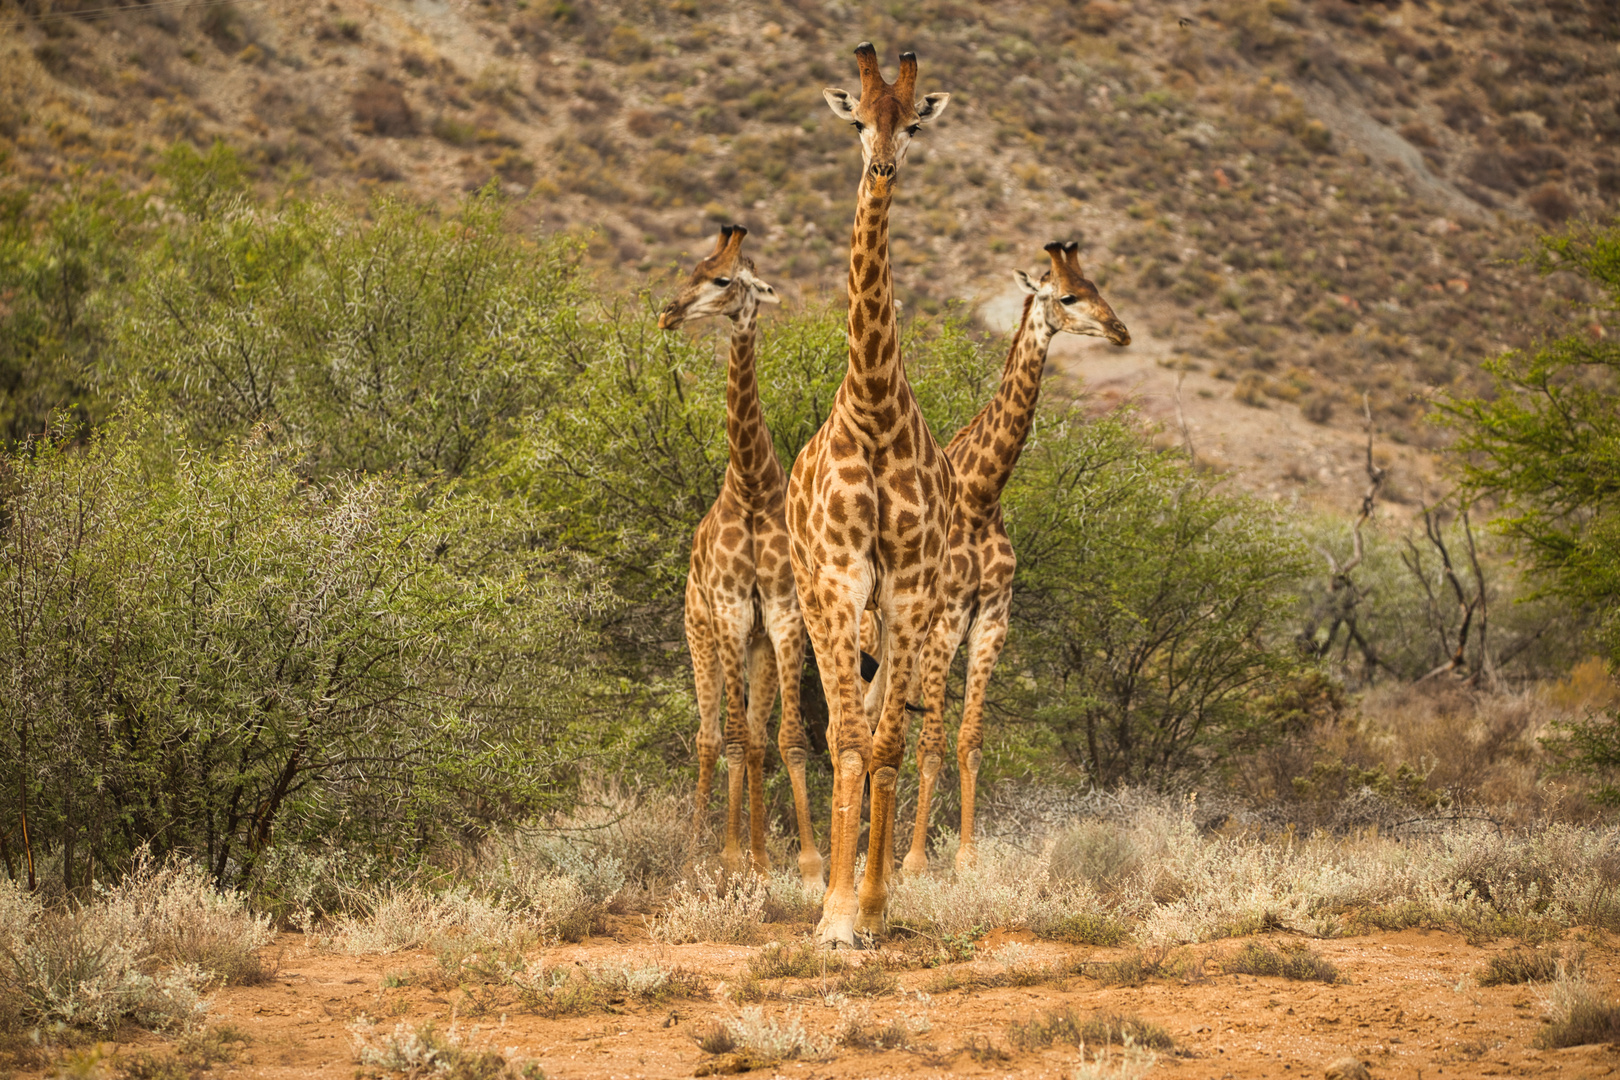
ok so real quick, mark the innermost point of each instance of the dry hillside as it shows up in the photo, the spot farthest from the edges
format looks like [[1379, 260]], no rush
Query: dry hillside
[[1294, 201]]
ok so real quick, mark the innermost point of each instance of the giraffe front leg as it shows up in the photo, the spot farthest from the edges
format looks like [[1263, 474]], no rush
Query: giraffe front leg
[[935, 665], [709, 686], [851, 743], [985, 640], [902, 636], [762, 683], [787, 637]]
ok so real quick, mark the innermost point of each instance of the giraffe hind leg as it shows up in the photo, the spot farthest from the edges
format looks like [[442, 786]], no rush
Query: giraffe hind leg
[[935, 665], [710, 689], [989, 634], [762, 683]]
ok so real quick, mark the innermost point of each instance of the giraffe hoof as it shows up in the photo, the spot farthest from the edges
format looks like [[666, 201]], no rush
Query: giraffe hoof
[[966, 858], [837, 926], [916, 864], [871, 925], [810, 871]]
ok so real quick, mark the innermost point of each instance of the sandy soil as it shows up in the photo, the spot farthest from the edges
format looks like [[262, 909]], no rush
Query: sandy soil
[[1410, 1008]]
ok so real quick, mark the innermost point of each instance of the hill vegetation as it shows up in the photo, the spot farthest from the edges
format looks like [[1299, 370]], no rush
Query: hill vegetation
[[1310, 200]]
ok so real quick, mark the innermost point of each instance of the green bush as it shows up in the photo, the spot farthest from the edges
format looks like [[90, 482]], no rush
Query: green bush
[[407, 344], [207, 652], [1149, 606], [1544, 444]]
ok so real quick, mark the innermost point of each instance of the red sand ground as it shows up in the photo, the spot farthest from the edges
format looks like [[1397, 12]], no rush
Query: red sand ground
[[1411, 1008]]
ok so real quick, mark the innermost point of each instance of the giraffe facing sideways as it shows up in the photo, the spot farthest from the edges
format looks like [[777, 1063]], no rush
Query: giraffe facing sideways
[[978, 585], [869, 506], [742, 613]]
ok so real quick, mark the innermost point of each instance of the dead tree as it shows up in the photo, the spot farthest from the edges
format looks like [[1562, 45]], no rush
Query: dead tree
[[1340, 608], [1471, 602]]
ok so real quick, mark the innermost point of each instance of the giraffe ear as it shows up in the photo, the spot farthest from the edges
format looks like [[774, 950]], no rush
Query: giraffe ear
[[843, 106], [764, 293], [1025, 282], [931, 106]]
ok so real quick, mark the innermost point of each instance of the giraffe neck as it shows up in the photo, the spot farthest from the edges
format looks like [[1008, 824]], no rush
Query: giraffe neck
[[1006, 419], [875, 375], [753, 462]]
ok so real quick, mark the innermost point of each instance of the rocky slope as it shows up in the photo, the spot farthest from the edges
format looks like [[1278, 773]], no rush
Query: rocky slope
[[1294, 203]]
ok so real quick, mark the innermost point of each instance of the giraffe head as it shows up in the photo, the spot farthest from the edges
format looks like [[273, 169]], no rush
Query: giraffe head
[[722, 284], [1071, 303], [886, 116]]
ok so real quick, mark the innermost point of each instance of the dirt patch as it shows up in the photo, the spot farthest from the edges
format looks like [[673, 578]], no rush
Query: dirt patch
[[1408, 1004]]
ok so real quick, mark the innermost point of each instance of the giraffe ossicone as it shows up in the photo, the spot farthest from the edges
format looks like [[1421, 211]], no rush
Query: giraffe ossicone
[[743, 626]]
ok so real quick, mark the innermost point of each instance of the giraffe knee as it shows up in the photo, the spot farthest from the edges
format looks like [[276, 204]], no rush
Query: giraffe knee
[[795, 757], [969, 761], [884, 779]]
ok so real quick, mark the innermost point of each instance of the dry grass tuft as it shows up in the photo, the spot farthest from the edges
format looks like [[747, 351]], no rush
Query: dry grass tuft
[[1098, 1029], [1529, 965], [1294, 960], [806, 960], [1581, 1015]]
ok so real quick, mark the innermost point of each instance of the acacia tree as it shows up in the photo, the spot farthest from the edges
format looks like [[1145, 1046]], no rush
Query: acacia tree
[[1546, 445], [1149, 607], [209, 654]]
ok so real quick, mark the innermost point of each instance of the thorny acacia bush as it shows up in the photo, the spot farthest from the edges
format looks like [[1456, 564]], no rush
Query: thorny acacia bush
[[410, 343], [208, 653], [1149, 606], [1544, 443]]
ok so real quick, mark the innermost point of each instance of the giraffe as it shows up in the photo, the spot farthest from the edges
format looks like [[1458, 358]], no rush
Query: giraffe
[[978, 586], [743, 625], [869, 505]]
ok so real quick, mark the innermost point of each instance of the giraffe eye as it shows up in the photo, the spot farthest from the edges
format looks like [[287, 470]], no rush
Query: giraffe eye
[[1068, 299], [722, 281], [858, 126], [913, 129]]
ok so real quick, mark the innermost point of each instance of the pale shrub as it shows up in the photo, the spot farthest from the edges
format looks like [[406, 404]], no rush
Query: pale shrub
[[1128, 1062], [1099, 853], [84, 970], [528, 862], [428, 1052], [393, 919], [789, 900], [707, 910], [183, 920], [1007, 888], [627, 978], [772, 1037]]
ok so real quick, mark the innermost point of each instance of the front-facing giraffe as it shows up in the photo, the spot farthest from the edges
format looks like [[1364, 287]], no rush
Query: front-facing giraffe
[[978, 586], [742, 613], [869, 506]]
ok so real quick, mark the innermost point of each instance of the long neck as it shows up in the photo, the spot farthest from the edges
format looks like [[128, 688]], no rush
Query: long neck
[[987, 449], [875, 375], [753, 455]]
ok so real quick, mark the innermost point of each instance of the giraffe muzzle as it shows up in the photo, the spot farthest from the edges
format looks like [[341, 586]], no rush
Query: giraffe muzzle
[[1118, 334], [670, 318], [883, 170]]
